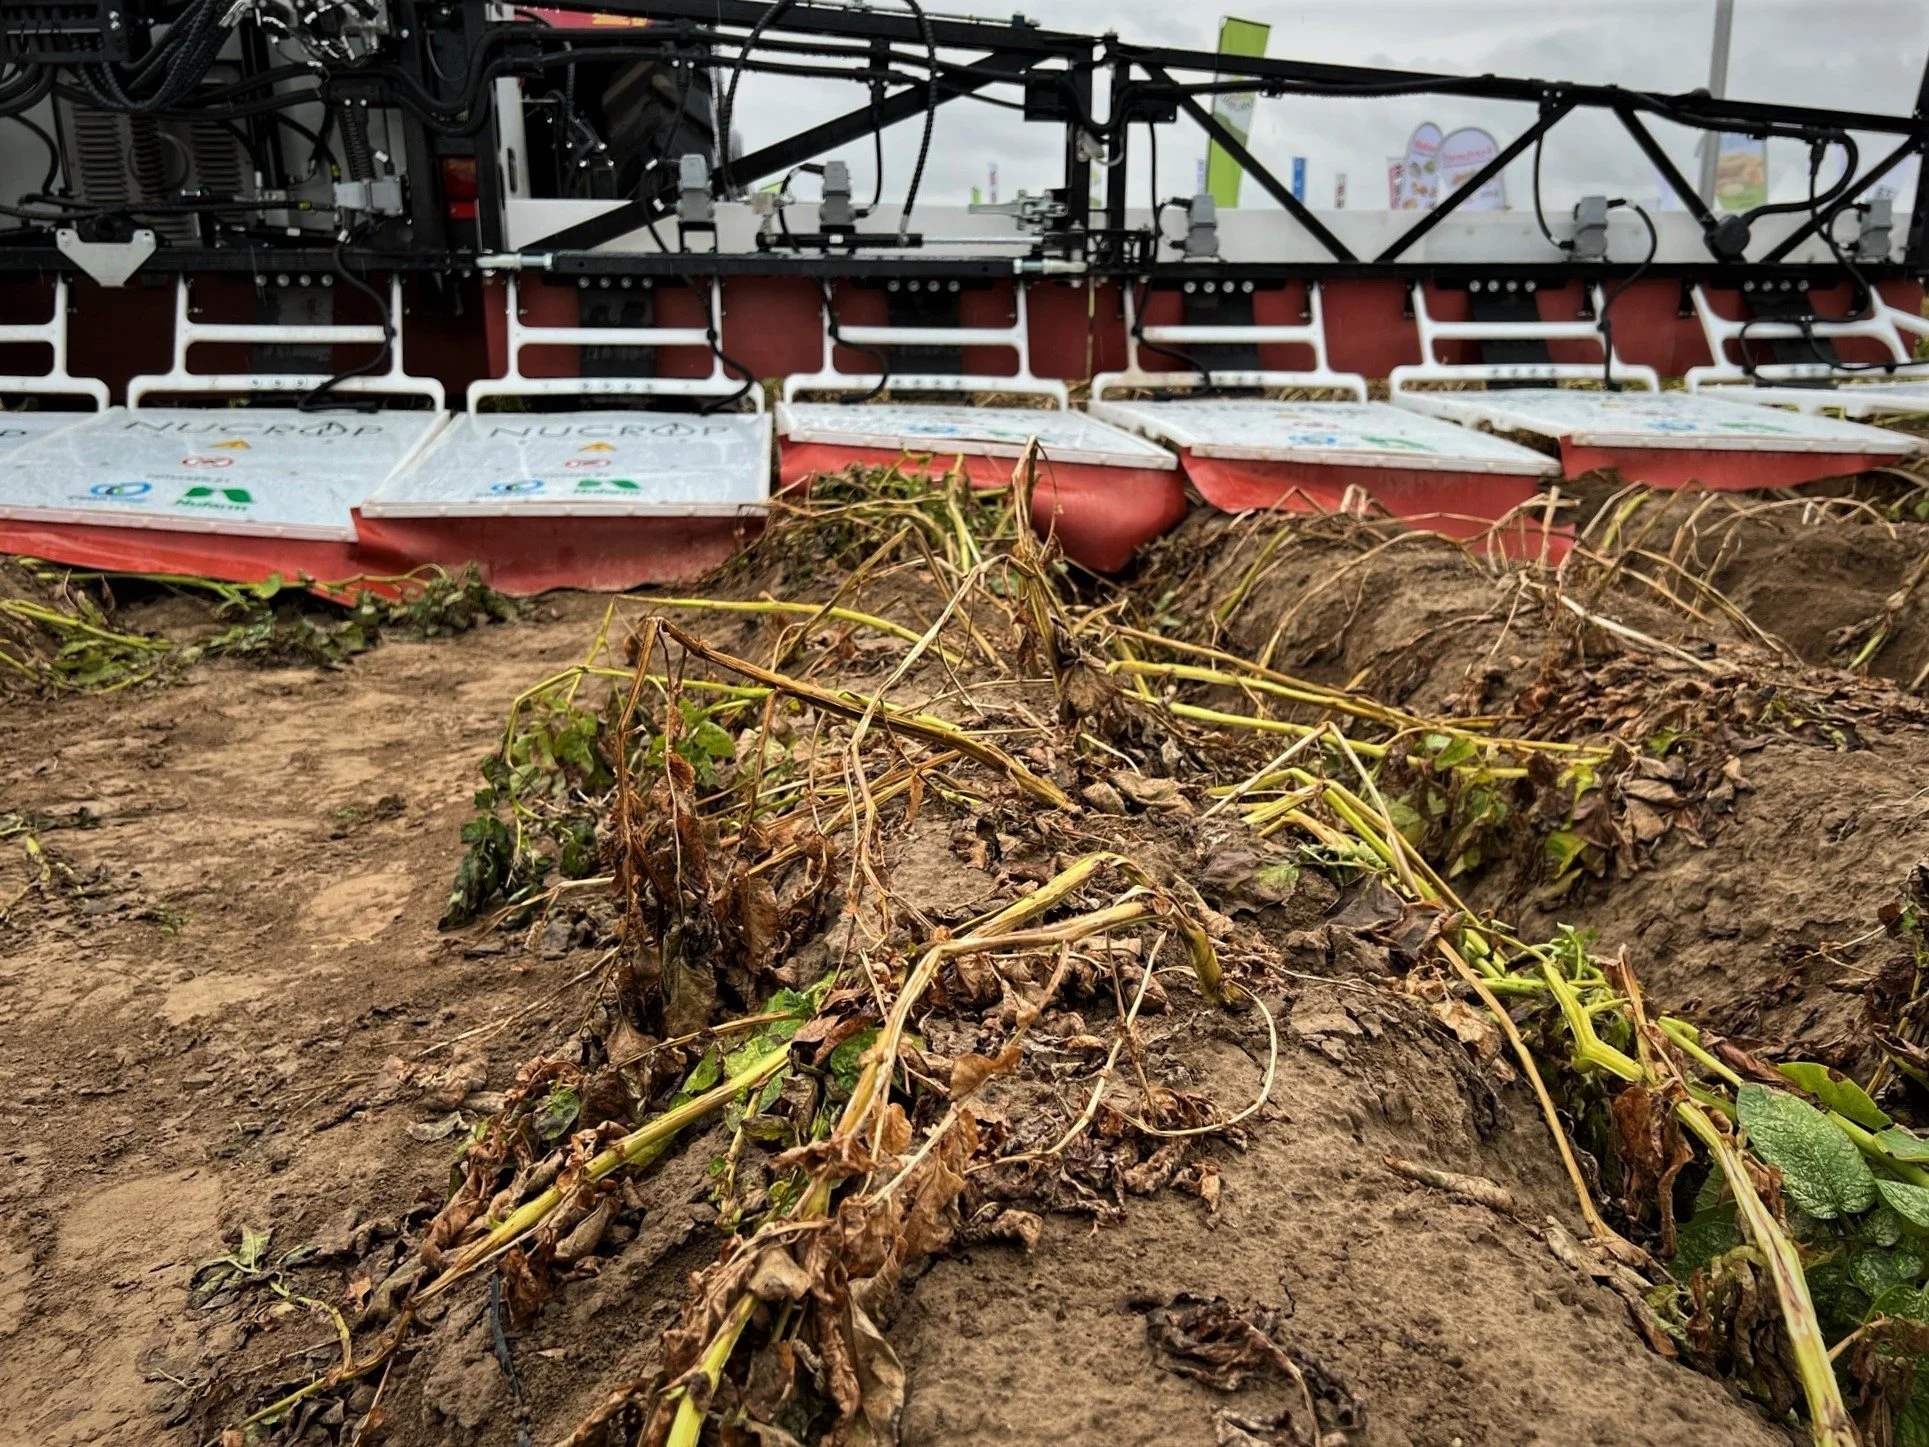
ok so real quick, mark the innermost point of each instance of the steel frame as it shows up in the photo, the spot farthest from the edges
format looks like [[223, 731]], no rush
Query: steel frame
[[1060, 72]]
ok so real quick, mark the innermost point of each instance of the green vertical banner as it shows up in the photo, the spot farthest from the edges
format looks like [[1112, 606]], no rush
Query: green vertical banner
[[1233, 110]]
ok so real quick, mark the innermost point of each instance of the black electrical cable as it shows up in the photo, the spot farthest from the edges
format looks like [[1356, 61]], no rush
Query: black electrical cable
[[930, 121], [181, 61], [1851, 158], [1207, 385], [322, 396], [776, 12], [730, 363], [877, 156], [1540, 216], [79, 211], [783, 190], [1863, 287], [661, 149], [317, 139], [53, 151], [1606, 324], [877, 354], [17, 98]]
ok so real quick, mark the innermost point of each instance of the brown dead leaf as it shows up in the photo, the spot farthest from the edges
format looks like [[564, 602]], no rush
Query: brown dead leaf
[[1473, 1028], [1159, 796], [880, 1381], [1201, 1179], [524, 1286], [992, 1224], [838, 1156], [1650, 791], [971, 1070], [1157, 1169], [776, 1276], [1646, 823]]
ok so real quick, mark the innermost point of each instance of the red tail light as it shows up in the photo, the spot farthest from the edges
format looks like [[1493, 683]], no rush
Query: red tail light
[[459, 187]]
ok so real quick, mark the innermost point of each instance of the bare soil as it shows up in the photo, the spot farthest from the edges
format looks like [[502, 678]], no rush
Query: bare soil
[[248, 865]]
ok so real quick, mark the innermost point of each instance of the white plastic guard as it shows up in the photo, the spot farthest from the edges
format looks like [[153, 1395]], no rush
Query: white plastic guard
[[1310, 333], [1327, 434], [17, 429], [1595, 417], [1852, 391], [255, 472], [1407, 384], [617, 463], [56, 381], [587, 464], [1658, 420], [188, 334], [516, 383], [1015, 338], [1065, 436]]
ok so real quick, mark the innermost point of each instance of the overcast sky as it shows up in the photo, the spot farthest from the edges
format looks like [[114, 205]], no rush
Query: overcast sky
[[1857, 54]]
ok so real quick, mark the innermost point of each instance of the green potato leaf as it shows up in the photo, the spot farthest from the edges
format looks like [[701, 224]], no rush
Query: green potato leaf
[[1902, 1145], [1822, 1171], [1836, 1091], [1909, 1202]]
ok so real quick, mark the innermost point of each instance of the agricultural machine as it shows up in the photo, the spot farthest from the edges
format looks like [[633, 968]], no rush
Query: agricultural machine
[[344, 287]]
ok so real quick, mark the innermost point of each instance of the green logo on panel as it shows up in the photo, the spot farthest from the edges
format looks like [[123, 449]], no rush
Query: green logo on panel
[[223, 499], [606, 484]]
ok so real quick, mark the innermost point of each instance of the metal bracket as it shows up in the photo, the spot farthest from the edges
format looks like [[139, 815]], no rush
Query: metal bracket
[[1030, 212], [110, 263]]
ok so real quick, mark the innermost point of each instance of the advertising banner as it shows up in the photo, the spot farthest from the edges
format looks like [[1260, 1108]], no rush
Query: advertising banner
[[1464, 153], [1233, 110]]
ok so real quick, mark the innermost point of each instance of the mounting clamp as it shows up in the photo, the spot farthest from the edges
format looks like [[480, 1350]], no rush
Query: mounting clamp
[[110, 263]]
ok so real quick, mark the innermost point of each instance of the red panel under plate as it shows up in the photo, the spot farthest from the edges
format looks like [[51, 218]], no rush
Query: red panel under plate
[[525, 555], [1455, 504], [1100, 514], [204, 555], [1719, 469]]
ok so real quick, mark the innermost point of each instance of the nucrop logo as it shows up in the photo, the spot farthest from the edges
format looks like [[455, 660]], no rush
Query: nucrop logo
[[217, 499], [121, 489]]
